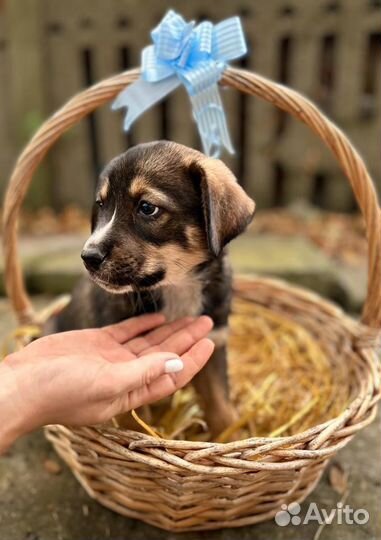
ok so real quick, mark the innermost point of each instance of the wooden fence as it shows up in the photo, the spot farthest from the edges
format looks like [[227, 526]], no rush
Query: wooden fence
[[328, 49]]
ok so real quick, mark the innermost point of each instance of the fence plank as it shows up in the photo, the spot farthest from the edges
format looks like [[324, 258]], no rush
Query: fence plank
[[6, 143], [259, 167], [74, 174], [26, 84], [345, 104]]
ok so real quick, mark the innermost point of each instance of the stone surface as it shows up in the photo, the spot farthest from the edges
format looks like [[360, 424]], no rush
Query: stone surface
[[51, 264]]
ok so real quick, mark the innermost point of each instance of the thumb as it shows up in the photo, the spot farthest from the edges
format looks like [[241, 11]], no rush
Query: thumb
[[145, 369]]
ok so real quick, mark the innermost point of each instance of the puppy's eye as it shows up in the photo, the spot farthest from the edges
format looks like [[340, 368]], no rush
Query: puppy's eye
[[99, 202], [145, 208]]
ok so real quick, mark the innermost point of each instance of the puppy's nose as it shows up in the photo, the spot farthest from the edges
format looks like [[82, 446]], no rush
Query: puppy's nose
[[93, 257]]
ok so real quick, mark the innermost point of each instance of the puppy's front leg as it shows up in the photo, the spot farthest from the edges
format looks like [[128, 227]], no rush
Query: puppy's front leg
[[212, 385]]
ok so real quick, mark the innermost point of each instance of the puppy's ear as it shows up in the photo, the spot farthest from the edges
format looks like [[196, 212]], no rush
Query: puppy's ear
[[226, 207]]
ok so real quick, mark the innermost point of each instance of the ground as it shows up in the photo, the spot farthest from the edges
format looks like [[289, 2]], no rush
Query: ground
[[38, 505]]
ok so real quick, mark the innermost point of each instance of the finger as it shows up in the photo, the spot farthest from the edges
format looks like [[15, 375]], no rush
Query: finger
[[143, 371], [157, 336], [167, 384], [181, 341], [130, 328], [146, 344]]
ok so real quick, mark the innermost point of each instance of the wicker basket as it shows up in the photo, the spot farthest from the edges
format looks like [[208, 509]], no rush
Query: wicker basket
[[182, 485]]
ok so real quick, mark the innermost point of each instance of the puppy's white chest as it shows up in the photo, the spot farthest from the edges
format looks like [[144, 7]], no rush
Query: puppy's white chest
[[182, 300]]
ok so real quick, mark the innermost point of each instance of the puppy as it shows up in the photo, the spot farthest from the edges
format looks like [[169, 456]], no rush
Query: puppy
[[162, 217]]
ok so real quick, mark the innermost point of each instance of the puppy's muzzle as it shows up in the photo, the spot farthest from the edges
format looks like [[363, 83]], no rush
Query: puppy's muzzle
[[93, 257]]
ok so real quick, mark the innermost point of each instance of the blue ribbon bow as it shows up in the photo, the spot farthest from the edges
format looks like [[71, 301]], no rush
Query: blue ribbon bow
[[194, 56]]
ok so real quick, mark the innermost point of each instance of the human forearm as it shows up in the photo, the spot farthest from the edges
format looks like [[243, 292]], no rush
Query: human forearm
[[13, 420]]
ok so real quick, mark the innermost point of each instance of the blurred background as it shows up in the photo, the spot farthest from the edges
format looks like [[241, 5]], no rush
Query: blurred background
[[330, 50]]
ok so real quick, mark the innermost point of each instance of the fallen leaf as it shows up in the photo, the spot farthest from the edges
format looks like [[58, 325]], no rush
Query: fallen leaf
[[52, 467], [338, 478]]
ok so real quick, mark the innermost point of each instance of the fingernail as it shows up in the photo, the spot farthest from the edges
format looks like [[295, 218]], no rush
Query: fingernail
[[173, 366]]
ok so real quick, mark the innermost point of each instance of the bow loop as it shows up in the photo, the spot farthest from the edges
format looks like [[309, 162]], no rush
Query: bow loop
[[229, 41], [204, 33], [201, 77], [171, 35], [195, 56], [154, 70]]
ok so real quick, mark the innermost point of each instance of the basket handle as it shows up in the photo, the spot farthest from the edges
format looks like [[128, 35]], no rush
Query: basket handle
[[244, 81]]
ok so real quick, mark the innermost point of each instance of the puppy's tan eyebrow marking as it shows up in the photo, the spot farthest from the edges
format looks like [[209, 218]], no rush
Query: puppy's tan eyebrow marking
[[103, 191], [138, 186], [143, 189], [158, 197]]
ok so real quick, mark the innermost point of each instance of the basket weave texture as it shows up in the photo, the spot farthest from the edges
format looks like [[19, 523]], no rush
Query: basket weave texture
[[182, 485]]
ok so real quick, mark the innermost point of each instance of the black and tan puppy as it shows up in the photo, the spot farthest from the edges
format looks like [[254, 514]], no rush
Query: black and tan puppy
[[162, 217]]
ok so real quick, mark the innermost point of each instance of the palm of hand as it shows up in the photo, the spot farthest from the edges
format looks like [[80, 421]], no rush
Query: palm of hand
[[88, 376]]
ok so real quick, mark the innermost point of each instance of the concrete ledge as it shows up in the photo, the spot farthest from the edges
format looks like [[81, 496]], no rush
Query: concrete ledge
[[52, 265]]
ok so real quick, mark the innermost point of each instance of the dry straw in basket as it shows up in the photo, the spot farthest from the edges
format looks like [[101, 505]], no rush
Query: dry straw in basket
[[184, 485], [282, 382]]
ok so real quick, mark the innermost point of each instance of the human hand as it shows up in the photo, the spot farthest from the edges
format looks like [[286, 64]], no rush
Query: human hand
[[86, 377]]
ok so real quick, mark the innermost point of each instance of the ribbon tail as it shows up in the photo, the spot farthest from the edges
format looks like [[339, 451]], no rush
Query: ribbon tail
[[141, 95], [211, 121]]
